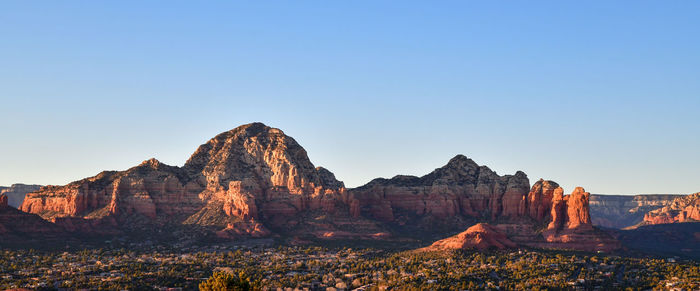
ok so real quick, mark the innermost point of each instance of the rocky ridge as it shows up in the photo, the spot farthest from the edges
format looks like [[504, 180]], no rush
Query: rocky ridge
[[461, 187], [255, 181], [682, 209], [621, 211]]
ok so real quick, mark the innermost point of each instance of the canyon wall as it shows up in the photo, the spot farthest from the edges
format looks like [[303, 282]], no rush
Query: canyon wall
[[621, 211], [681, 209], [16, 193]]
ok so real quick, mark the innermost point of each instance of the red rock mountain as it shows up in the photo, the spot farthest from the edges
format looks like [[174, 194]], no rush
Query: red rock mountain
[[256, 181], [481, 236], [259, 173], [682, 209], [242, 177]]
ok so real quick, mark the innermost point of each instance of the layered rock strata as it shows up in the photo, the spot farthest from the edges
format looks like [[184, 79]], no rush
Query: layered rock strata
[[16, 193], [253, 174], [621, 211], [254, 181], [461, 187], [682, 209]]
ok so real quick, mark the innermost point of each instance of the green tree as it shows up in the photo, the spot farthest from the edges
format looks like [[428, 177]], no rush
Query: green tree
[[221, 281]]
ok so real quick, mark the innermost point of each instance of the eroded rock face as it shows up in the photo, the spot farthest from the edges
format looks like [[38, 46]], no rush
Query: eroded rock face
[[540, 199], [253, 173], [570, 226], [255, 181], [570, 211], [620, 211], [480, 236], [151, 189], [461, 187], [16, 192], [682, 209], [261, 174], [3, 200]]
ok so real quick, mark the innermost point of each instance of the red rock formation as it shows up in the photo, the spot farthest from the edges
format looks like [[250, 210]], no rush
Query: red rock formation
[[261, 174], [570, 226], [459, 188], [151, 189], [622, 211], [570, 211], [254, 179], [480, 236], [3, 200], [682, 209], [16, 193], [253, 173], [539, 200], [243, 229]]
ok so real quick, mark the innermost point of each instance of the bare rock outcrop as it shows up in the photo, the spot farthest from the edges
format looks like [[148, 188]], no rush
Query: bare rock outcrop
[[682, 209], [480, 236], [540, 198], [255, 181], [621, 211], [3, 200], [461, 187], [261, 174], [570, 226], [251, 175], [16, 192], [151, 189], [571, 211]]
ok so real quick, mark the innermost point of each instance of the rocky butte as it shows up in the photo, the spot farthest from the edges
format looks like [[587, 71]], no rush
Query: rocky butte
[[255, 181]]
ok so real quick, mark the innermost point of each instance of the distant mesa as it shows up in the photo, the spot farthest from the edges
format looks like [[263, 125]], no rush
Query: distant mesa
[[255, 181], [681, 209], [623, 211], [16, 193]]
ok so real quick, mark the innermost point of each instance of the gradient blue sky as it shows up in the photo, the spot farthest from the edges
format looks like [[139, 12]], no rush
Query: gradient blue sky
[[604, 95]]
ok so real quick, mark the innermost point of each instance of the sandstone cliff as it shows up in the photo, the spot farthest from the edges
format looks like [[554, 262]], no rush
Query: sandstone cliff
[[250, 178], [621, 211], [16, 193], [461, 187], [151, 189], [571, 227], [682, 209], [259, 173]]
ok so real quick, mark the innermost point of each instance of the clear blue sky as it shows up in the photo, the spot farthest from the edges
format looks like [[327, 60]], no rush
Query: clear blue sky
[[602, 94]]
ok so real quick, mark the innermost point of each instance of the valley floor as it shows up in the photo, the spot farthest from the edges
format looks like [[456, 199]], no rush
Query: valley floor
[[318, 268]]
